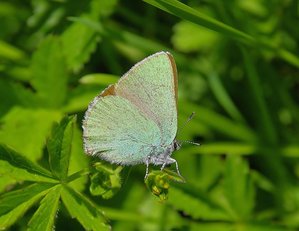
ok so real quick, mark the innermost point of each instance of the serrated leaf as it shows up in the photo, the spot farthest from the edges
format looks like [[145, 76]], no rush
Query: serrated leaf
[[17, 160], [49, 73], [198, 207], [44, 217], [14, 204], [238, 186], [19, 174], [90, 217], [25, 130], [78, 161], [59, 146], [79, 41]]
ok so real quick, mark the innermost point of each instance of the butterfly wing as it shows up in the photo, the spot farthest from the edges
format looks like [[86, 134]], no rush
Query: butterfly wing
[[128, 120], [115, 130], [151, 85]]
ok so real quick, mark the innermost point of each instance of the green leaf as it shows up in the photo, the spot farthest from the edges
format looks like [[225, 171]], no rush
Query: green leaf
[[238, 186], [187, 13], [229, 148], [80, 97], [14, 204], [222, 96], [25, 130], [44, 217], [7, 51], [265, 120], [49, 73], [79, 41], [59, 146], [19, 174], [19, 161], [105, 181], [195, 204], [202, 39], [211, 226], [78, 161], [99, 79], [90, 217]]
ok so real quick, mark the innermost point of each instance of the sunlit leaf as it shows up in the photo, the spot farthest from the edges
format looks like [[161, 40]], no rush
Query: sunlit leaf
[[14, 204], [59, 146], [43, 218]]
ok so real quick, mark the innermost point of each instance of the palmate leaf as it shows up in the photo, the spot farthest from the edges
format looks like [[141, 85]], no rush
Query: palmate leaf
[[59, 146], [18, 161], [78, 161], [14, 204], [90, 217], [43, 218]]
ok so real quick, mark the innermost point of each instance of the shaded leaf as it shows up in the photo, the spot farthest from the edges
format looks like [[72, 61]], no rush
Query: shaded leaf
[[220, 123], [196, 206], [185, 12], [90, 217], [238, 186]]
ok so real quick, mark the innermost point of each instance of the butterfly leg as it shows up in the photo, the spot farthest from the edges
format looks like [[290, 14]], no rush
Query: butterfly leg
[[177, 168], [170, 160], [163, 165], [147, 164]]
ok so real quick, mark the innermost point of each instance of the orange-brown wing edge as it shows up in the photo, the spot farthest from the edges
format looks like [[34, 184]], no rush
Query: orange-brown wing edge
[[175, 76]]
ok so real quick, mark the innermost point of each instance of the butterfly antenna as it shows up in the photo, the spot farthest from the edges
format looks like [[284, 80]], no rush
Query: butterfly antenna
[[189, 142], [183, 126], [186, 122]]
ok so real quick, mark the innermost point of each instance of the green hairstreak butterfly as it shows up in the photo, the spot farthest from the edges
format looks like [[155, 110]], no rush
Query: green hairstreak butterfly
[[135, 120]]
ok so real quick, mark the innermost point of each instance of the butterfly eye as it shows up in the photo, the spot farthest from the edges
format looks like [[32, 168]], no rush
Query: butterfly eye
[[176, 145]]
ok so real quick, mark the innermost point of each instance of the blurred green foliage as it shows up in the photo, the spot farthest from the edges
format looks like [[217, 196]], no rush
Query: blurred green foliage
[[238, 70]]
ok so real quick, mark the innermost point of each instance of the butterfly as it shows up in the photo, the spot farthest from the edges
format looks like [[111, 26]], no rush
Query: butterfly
[[135, 120]]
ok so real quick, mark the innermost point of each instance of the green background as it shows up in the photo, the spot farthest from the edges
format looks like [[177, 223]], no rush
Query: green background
[[238, 69]]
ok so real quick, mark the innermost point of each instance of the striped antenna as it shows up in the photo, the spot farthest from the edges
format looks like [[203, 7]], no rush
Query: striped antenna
[[183, 126], [187, 121]]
